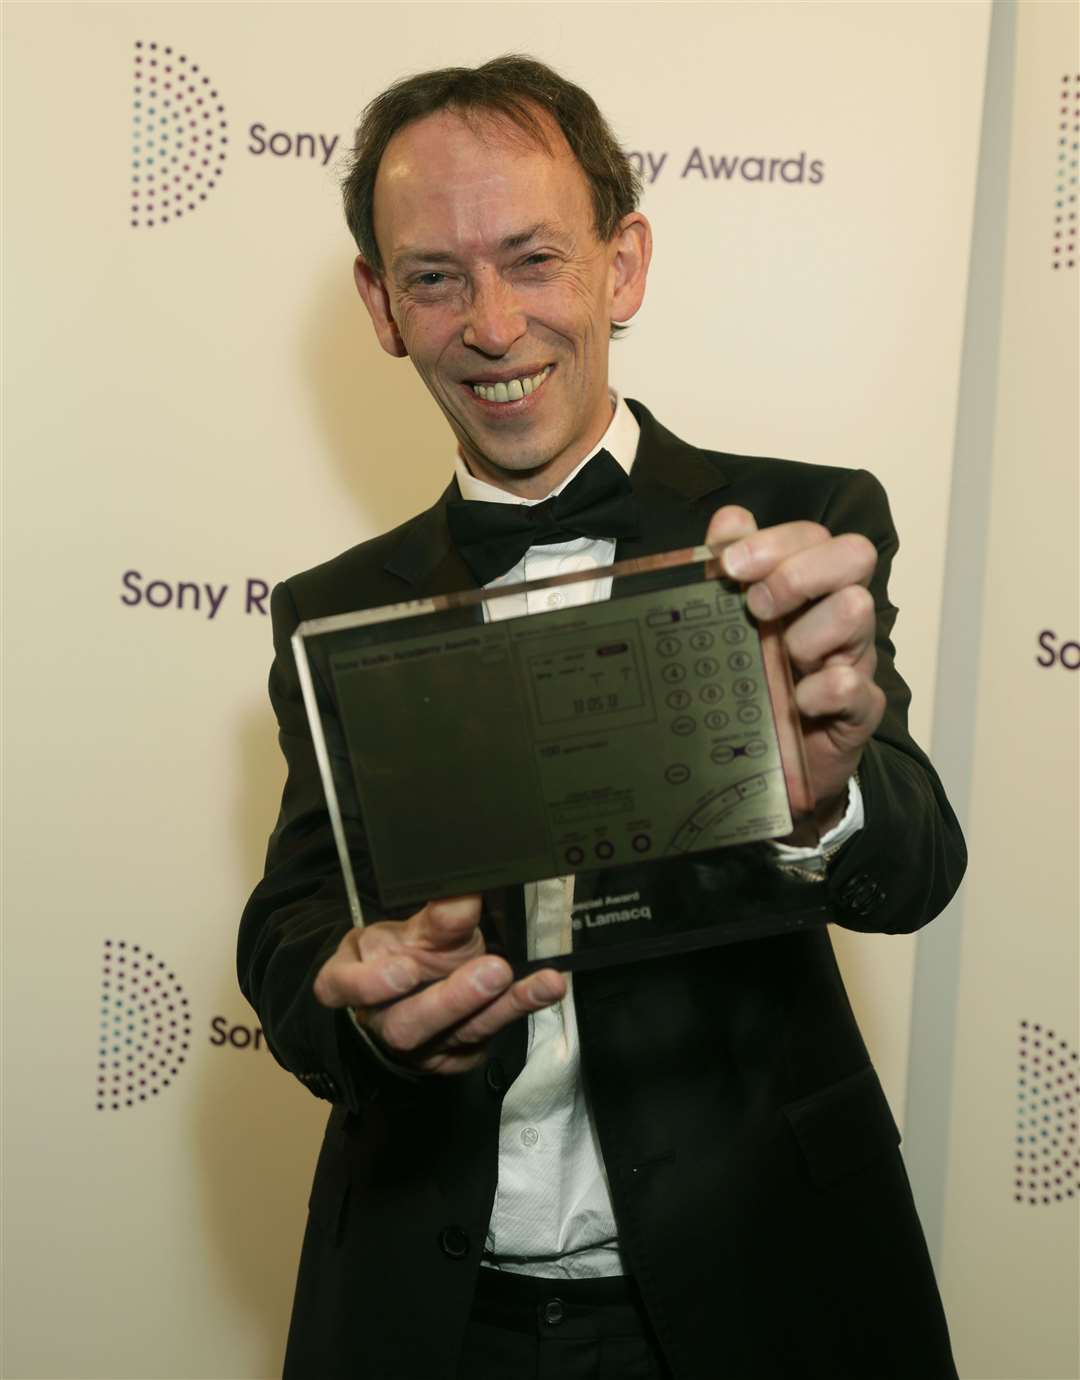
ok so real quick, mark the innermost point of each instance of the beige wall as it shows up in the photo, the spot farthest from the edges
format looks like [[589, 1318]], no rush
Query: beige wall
[[203, 402]]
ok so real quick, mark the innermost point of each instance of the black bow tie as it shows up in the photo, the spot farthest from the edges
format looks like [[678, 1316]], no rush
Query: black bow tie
[[493, 537]]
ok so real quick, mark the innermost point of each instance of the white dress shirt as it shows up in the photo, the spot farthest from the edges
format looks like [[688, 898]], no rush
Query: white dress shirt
[[553, 1215]]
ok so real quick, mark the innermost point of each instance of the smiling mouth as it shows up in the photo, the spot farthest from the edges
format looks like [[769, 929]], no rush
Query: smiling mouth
[[510, 390]]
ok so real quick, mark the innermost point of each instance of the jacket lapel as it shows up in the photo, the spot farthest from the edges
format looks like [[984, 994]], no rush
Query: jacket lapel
[[675, 484], [425, 556]]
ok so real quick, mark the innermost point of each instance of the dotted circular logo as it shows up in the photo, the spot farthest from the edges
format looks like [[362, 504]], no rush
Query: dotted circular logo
[[145, 1029], [179, 140], [1047, 1153], [1068, 154]]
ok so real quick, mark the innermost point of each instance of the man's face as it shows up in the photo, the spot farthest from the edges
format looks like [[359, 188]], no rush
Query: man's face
[[499, 291]]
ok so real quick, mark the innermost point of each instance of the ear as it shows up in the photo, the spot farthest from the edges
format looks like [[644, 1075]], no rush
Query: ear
[[372, 288], [631, 251]]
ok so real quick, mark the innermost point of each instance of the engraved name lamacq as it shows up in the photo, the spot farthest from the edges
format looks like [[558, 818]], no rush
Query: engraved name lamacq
[[593, 917]]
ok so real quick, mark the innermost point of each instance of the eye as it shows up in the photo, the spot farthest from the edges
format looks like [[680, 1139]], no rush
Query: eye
[[535, 260], [431, 279]]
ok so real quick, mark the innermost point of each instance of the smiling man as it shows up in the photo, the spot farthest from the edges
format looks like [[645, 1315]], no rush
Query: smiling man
[[685, 1168]]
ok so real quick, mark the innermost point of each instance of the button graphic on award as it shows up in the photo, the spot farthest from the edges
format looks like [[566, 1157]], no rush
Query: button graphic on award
[[683, 725], [668, 646], [673, 673], [749, 714], [678, 699], [712, 693], [701, 641], [677, 773], [706, 666], [716, 719], [740, 661], [734, 634], [744, 687]]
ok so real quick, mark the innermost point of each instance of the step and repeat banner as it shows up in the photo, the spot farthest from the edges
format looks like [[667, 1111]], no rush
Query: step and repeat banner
[[197, 407], [1010, 1258]]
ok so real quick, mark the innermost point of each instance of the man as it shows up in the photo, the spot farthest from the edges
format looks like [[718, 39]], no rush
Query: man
[[680, 1168]]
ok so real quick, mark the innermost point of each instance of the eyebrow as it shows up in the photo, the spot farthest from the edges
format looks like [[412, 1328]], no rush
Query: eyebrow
[[542, 230]]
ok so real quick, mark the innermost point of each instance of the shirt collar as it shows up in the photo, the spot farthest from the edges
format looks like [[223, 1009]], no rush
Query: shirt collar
[[620, 440]]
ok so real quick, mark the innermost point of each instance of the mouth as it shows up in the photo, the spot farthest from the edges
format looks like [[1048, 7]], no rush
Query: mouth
[[503, 392]]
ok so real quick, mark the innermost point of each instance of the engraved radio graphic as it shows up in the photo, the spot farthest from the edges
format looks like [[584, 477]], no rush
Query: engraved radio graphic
[[180, 136], [145, 1027]]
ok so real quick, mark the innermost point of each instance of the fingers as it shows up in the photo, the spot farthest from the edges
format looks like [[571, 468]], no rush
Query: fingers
[[448, 1023], [384, 961], [845, 698], [425, 988], [532, 993], [793, 564], [434, 1011], [839, 627], [465, 1046]]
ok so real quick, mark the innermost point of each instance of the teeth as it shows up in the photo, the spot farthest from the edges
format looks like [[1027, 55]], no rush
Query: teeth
[[512, 391]]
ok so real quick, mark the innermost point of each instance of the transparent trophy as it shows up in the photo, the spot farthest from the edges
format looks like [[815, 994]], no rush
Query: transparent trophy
[[648, 744]]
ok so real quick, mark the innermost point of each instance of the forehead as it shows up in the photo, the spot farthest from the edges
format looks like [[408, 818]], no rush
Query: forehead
[[446, 183]]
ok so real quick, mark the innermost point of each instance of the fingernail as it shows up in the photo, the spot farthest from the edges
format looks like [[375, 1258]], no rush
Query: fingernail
[[489, 978], [760, 601], [399, 974], [735, 559], [543, 989]]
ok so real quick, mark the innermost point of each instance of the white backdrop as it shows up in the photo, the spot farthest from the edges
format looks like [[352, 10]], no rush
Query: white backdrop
[[199, 404]]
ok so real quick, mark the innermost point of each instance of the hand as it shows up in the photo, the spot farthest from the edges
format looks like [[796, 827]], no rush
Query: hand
[[816, 584], [426, 990]]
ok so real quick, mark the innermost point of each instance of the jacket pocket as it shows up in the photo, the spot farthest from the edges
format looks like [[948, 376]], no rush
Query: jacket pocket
[[843, 1128]]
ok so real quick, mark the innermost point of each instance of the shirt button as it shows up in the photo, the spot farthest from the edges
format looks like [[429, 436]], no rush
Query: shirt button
[[554, 1312], [530, 1136], [556, 600], [495, 1076]]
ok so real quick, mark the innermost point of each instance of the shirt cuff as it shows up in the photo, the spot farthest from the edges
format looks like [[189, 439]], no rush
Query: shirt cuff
[[833, 839]]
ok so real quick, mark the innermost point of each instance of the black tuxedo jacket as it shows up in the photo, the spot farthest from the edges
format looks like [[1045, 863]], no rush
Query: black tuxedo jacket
[[753, 1161]]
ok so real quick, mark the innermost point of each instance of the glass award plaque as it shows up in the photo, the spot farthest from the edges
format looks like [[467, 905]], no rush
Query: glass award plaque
[[647, 743]]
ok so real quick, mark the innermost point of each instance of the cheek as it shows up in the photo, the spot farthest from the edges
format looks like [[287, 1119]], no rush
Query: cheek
[[425, 331]]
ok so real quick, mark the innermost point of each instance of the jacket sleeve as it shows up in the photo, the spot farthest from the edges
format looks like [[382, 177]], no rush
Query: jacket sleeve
[[299, 913], [903, 866]]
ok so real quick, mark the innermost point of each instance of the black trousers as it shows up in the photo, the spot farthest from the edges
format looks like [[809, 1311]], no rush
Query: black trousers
[[523, 1328]]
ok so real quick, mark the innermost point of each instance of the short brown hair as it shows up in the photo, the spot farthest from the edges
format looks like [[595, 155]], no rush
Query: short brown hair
[[519, 89]]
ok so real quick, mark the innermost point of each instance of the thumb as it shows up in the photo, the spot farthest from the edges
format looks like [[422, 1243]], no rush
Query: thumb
[[729, 524], [444, 924]]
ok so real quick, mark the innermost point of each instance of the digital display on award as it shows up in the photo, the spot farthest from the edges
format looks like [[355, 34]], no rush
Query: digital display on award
[[618, 741]]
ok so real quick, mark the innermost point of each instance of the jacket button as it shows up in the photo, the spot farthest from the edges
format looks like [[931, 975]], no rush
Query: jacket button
[[454, 1242], [553, 1312], [862, 894], [495, 1076]]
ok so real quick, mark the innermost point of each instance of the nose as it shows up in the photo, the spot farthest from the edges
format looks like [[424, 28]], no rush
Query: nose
[[494, 320]]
